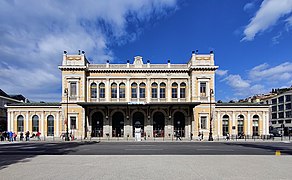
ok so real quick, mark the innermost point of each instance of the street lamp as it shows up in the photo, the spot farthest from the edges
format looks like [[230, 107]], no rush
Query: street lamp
[[67, 133], [210, 133]]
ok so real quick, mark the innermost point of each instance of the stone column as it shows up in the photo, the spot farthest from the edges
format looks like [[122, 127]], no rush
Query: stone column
[[12, 122], [27, 122], [233, 124], [128, 90], [57, 124], [9, 120], [107, 90], [43, 122], [168, 90], [248, 123], [148, 90]]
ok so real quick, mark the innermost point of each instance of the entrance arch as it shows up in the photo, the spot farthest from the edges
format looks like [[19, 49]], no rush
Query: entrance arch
[[138, 122], [118, 125], [97, 125], [179, 123], [158, 124]]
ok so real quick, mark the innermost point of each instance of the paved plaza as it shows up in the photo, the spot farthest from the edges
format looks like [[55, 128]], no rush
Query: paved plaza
[[149, 167]]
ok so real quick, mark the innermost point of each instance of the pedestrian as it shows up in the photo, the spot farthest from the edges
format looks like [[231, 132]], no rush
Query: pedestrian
[[178, 135], [38, 134], [202, 136], [14, 136], [21, 136], [199, 136], [27, 136], [227, 136], [191, 136], [1, 136], [10, 136]]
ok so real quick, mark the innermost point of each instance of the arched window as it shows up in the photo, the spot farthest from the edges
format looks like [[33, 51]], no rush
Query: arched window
[[225, 125], [174, 90], [101, 90], [50, 120], [20, 123], [255, 125], [240, 125], [142, 90], [114, 90], [183, 90], [134, 90], [162, 90], [93, 89], [122, 90], [154, 87], [35, 123]]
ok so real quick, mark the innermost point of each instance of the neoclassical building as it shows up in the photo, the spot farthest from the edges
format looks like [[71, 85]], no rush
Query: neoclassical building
[[153, 100]]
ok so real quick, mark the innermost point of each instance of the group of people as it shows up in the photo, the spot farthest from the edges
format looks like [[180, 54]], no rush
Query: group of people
[[11, 136], [8, 136]]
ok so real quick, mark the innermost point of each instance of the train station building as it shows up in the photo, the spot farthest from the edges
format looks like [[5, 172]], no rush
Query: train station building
[[137, 97]]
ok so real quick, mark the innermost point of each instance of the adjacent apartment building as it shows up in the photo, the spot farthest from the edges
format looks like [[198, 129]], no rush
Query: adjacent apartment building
[[155, 100]]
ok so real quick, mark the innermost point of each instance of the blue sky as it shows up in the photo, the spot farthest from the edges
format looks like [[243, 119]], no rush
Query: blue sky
[[252, 40]]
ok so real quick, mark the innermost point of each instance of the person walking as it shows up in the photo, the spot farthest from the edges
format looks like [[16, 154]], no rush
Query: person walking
[[27, 136], [38, 134], [10, 136], [21, 136]]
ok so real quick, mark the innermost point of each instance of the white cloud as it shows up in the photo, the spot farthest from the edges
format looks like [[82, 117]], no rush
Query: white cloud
[[221, 72], [34, 35], [261, 79], [279, 73], [235, 81], [248, 6], [268, 15]]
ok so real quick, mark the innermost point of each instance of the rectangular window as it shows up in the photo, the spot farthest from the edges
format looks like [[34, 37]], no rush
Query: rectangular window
[[274, 122], [203, 86], [288, 121], [281, 99], [288, 98], [274, 115], [20, 125], [162, 92], [274, 108], [288, 114], [154, 92], [281, 107], [182, 92], [281, 115], [174, 92], [93, 92], [73, 89], [122, 93], [114, 92], [142, 92], [73, 122], [274, 101], [288, 106], [134, 93], [102, 92], [203, 122]]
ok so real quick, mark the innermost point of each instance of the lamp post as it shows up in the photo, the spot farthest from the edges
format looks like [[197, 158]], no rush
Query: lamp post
[[67, 133], [210, 133]]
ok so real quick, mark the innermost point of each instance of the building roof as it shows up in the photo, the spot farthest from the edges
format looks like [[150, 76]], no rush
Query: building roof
[[2, 93], [36, 104], [241, 104]]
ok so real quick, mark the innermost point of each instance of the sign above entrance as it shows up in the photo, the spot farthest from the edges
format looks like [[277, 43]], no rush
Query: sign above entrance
[[135, 102]]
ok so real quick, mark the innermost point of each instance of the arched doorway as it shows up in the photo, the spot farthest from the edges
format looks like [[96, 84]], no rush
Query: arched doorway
[[225, 125], [50, 125], [158, 124], [240, 125], [179, 123], [255, 125], [97, 125], [138, 122], [118, 125]]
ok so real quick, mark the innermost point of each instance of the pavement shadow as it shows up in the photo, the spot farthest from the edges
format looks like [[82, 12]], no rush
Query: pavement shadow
[[283, 150], [24, 152]]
